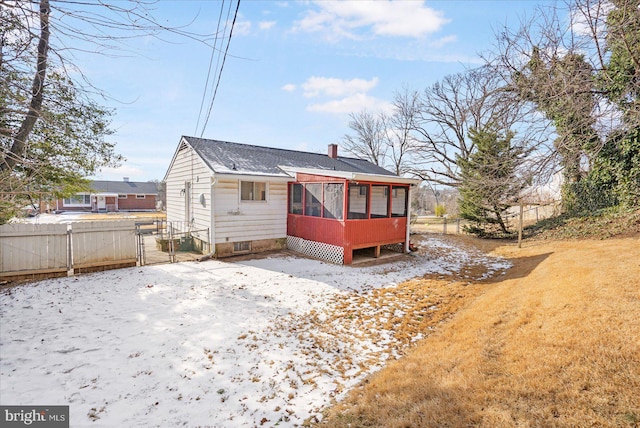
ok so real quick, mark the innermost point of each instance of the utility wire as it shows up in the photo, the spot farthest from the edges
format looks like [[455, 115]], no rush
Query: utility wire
[[235, 15], [213, 52]]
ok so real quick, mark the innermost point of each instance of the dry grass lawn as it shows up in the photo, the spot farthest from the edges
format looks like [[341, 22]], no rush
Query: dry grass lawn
[[554, 342]]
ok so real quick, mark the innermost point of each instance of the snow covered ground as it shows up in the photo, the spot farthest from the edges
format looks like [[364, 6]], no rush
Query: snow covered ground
[[213, 344]]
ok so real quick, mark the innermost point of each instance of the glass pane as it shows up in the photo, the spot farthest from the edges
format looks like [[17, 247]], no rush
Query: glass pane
[[333, 199], [295, 199], [313, 200], [358, 201], [246, 190], [379, 201], [399, 202], [259, 191]]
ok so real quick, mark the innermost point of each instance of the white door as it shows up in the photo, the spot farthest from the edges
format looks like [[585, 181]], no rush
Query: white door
[[102, 203]]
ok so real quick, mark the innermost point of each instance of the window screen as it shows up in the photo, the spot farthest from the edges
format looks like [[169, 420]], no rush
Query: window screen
[[313, 199], [399, 202], [295, 198], [333, 200], [379, 201], [358, 201]]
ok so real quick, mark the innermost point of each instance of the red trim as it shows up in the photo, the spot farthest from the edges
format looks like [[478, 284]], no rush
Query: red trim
[[348, 234]]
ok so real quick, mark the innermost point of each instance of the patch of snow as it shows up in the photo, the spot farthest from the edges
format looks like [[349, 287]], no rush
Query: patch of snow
[[211, 343]]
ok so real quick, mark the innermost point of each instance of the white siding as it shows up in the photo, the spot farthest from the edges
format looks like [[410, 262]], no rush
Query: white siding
[[238, 220], [188, 166]]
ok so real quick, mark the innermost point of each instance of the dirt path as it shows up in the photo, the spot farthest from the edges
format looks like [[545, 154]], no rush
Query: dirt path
[[554, 342]]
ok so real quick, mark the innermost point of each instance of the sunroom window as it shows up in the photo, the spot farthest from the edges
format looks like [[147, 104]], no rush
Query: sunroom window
[[379, 201], [399, 201], [295, 198], [358, 201], [313, 200], [333, 200]]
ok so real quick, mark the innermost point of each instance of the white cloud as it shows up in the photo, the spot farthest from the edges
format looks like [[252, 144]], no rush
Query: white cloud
[[351, 104], [266, 25], [332, 87], [289, 87], [242, 28], [443, 41], [382, 18], [585, 18]]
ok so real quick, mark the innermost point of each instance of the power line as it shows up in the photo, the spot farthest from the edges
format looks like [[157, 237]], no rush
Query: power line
[[213, 52], [235, 15]]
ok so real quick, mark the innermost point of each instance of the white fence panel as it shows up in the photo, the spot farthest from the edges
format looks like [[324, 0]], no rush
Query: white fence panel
[[29, 248], [103, 243]]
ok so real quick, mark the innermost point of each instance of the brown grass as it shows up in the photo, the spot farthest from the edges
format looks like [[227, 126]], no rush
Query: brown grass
[[555, 342]]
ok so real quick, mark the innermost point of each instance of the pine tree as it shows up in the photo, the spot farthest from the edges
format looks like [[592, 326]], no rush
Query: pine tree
[[491, 182]]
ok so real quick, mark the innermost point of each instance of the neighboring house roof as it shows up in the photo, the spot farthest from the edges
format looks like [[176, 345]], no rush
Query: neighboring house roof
[[125, 187], [234, 158]]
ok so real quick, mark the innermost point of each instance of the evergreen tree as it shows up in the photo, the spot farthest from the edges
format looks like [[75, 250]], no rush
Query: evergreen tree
[[490, 180]]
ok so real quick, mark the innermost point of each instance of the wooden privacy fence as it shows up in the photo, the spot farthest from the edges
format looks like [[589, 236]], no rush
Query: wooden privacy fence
[[31, 250]]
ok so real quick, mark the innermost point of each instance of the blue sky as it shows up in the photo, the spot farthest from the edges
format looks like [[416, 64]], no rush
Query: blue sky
[[294, 72]]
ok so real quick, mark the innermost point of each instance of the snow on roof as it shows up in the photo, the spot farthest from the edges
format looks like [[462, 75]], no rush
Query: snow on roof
[[228, 157]]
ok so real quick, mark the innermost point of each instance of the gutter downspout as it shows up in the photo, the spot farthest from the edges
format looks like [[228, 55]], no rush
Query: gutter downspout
[[406, 240], [212, 225]]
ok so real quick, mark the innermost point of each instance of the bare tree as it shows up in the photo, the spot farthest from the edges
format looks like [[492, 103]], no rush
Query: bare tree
[[385, 138], [463, 102], [63, 28], [51, 129], [369, 139], [398, 132]]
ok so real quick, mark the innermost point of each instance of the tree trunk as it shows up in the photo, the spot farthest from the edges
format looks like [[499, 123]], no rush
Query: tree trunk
[[500, 221], [20, 140]]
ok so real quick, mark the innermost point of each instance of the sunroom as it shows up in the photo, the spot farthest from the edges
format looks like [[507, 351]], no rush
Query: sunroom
[[333, 214]]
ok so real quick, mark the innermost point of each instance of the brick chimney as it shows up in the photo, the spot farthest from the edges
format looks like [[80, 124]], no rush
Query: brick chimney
[[333, 151]]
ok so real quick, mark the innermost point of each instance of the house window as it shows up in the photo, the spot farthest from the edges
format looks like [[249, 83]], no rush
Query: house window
[[333, 200], [121, 196], [253, 191], [295, 198], [140, 196], [242, 247], [358, 201], [313, 200], [79, 200], [399, 197], [379, 201]]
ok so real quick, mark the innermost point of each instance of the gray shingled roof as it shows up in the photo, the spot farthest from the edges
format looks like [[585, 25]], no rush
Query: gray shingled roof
[[226, 157], [125, 187]]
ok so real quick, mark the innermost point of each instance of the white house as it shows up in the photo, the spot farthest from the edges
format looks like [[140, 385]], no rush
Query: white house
[[237, 198]]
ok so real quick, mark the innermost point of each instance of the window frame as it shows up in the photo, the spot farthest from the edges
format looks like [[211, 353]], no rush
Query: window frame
[[339, 207], [296, 207], [253, 191], [387, 199], [394, 193], [309, 203], [85, 196], [354, 215]]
